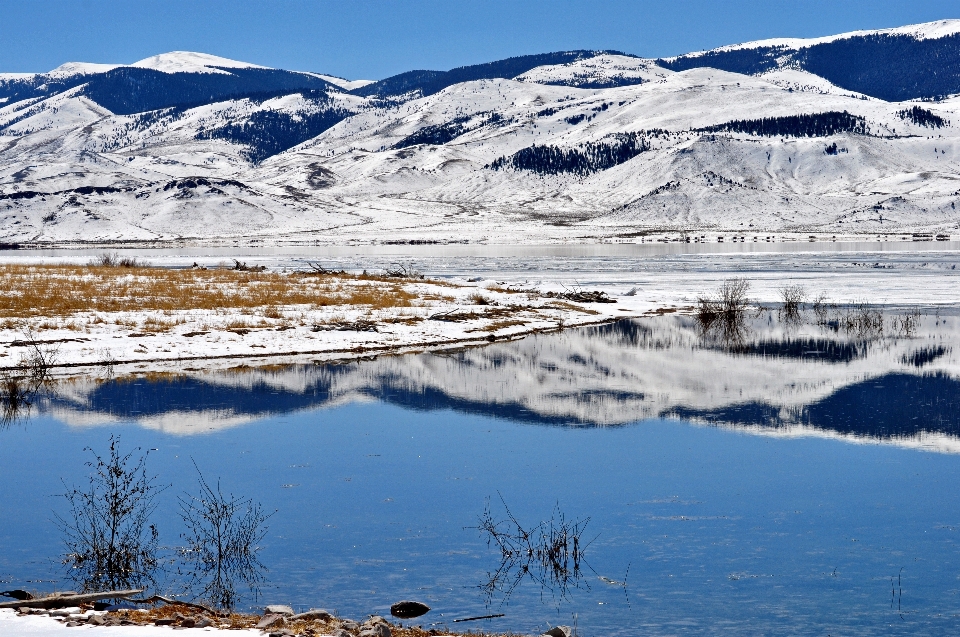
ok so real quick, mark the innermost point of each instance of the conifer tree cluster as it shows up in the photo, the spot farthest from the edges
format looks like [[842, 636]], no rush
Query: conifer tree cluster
[[806, 125], [922, 117], [267, 133], [440, 134], [582, 160]]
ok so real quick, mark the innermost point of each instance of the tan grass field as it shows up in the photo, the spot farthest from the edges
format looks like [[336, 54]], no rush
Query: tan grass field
[[109, 313], [62, 290]]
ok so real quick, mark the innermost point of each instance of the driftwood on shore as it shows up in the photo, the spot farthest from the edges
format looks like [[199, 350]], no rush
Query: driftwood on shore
[[63, 601], [165, 600]]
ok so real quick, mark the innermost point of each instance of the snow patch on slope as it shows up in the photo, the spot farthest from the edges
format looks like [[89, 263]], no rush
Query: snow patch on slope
[[806, 82], [190, 62], [602, 69], [347, 85], [79, 68], [923, 31]]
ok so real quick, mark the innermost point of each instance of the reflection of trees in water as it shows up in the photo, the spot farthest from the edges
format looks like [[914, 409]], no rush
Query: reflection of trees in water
[[724, 317], [222, 537], [110, 541], [112, 544], [21, 385], [551, 554]]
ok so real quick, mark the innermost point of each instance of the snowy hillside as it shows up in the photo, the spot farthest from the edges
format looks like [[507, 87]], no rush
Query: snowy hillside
[[569, 146]]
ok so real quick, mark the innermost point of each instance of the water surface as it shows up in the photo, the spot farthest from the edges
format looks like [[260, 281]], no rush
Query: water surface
[[801, 480]]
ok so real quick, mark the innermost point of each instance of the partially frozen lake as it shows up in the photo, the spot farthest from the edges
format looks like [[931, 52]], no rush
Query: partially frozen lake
[[800, 480]]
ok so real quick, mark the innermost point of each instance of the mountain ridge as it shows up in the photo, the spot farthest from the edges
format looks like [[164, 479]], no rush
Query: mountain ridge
[[574, 146]]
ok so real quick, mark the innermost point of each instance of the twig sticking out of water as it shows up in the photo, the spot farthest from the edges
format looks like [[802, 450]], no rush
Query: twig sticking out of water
[[550, 553], [906, 324], [22, 384], [222, 542]]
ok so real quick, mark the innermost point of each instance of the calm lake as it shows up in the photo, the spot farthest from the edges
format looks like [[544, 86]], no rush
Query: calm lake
[[799, 478]]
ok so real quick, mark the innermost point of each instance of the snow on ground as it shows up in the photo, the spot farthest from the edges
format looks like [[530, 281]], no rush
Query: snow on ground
[[924, 31], [190, 62], [661, 278], [350, 317], [347, 85], [365, 180], [605, 68]]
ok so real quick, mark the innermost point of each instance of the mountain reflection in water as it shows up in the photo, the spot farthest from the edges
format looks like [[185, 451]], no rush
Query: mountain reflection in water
[[789, 379]]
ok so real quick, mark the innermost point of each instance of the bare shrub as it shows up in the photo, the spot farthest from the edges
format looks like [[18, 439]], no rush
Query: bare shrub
[[551, 554], [15, 399], [20, 386], [821, 308], [222, 537], [861, 319], [110, 541], [114, 260], [725, 314], [906, 323], [793, 297]]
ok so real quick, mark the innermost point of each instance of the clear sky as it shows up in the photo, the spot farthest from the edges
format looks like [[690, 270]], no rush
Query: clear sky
[[372, 39]]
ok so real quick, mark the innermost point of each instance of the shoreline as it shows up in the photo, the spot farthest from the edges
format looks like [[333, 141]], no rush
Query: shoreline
[[159, 620], [152, 319]]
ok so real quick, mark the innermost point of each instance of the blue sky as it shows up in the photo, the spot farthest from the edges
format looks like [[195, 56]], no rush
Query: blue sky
[[377, 38]]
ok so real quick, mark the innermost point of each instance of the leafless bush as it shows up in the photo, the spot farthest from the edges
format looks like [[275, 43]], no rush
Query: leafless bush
[[550, 554], [725, 314], [822, 307], [222, 537], [861, 319], [793, 297], [906, 324], [15, 399], [110, 542], [20, 386], [114, 260]]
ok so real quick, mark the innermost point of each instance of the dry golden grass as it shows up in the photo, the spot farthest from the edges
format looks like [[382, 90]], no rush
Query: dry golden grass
[[63, 290]]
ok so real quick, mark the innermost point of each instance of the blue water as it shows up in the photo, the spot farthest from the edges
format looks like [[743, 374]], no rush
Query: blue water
[[802, 482], [722, 531]]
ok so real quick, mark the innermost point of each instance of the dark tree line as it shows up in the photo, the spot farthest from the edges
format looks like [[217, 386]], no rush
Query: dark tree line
[[267, 133], [430, 82], [582, 160], [440, 134], [922, 117], [890, 67], [809, 125]]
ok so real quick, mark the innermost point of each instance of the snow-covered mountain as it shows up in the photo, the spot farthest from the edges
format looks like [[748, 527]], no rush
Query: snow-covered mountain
[[848, 134]]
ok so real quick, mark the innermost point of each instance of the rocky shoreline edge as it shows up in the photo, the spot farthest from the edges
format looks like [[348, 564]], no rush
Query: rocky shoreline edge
[[274, 621]]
